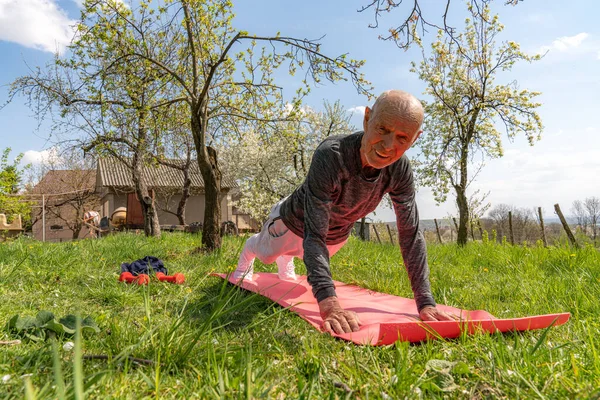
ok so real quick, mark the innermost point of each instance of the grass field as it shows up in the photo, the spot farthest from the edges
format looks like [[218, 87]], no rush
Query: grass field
[[207, 339]]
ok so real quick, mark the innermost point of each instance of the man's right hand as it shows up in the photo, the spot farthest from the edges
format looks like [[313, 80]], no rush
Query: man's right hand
[[336, 319]]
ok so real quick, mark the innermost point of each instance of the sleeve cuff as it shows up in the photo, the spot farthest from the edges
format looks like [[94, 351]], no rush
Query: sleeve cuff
[[324, 293], [425, 303]]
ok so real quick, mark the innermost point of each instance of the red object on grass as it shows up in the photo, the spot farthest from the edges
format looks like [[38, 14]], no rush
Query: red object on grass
[[177, 278], [386, 318], [128, 277]]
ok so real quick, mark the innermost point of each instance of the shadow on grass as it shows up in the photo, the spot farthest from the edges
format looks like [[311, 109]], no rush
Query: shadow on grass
[[229, 306]]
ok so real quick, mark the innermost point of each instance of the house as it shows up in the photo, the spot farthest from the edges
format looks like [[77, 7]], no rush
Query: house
[[114, 186], [65, 195]]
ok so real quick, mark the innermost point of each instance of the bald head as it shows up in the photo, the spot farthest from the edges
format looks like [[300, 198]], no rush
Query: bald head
[[400, 104], [390, 128]]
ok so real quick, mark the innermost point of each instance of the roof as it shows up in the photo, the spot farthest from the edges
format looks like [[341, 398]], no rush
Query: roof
[[114, 173], [63, 181]]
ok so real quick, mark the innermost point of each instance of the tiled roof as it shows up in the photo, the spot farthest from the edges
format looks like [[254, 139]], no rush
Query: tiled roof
[[113, 172], [62, 181]]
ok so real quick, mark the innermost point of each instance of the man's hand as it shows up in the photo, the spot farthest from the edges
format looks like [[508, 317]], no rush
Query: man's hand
[[431, 313], [336, 319]]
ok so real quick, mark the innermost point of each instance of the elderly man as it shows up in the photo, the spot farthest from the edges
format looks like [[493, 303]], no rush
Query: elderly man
[[347, 179]]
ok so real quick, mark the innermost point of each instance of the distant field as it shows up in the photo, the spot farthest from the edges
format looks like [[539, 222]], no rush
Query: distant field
[[209, 340]]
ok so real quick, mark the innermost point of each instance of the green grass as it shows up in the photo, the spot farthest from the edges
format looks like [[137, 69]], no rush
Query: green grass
[[211, 340]]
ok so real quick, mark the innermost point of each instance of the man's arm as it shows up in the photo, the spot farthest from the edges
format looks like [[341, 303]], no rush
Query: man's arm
[[322, 182], [412, 245]]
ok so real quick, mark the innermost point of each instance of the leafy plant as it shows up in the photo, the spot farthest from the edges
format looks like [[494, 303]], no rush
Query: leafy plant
[[45, 325]]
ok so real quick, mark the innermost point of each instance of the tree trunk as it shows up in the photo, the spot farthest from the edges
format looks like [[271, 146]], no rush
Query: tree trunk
[[463, 213], [76, 230], [209, 168], [151, 223], [211, 237], [184, 196], [461, 187]]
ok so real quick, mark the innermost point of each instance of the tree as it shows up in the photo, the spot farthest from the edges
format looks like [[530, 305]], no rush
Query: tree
[[477, 208], [111, 107], [176, 150], [68, 182], [466, 105], [183, 52], [11, 177], [592, 208], [271, 165], [580, 214], [523, 222], [415, 23], [193, 48]]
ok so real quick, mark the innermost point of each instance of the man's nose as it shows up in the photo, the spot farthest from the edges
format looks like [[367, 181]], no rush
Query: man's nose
[[388, 142]]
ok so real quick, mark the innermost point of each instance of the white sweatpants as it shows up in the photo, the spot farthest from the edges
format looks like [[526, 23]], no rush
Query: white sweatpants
[[274, 243]]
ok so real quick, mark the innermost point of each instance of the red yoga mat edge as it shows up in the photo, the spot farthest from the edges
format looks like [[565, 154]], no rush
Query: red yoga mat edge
[[386, 318]]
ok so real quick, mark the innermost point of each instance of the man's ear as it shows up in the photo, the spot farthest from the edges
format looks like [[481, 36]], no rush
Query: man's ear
[[366, 118], [416, 137]]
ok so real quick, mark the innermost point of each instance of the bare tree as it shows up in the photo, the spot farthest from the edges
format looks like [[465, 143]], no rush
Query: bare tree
[[68, 181], [592, 208], [579, 212], [414, 23], [523, 220]]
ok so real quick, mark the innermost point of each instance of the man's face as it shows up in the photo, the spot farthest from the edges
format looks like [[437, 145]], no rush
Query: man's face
[[387, 136]]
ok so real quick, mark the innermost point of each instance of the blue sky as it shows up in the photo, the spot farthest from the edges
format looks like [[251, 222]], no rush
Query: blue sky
[[562, 167]]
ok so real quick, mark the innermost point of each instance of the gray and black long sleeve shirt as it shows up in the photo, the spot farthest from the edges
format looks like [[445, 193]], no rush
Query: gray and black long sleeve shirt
[[335, 194]]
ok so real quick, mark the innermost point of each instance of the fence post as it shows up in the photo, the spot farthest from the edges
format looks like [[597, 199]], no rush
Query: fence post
[[361, 234], [43, 218], [376, 233], [566, 226], [542, 226], [437, 229], [510, 228], [390, 233]]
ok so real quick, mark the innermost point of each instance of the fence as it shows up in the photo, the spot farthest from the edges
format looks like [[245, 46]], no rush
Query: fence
[[512, 229]]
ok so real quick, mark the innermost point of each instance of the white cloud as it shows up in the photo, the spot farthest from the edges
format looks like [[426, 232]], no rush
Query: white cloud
[[39, 24], [566, 43], [359, 110], [38, 157]]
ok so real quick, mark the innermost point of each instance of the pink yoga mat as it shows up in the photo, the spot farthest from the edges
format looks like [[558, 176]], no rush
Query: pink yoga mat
[[386, 318]]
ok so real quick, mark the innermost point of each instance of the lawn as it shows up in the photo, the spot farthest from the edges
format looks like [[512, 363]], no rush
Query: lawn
[[208, 339]]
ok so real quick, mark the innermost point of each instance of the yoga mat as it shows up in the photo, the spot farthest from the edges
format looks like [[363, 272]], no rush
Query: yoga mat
[[386, 318]]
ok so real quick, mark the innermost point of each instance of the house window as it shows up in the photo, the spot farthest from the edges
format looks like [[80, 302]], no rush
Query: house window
[[56, 227]]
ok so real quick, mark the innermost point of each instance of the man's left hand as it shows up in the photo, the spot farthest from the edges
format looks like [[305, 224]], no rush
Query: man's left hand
[[431, 313]]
